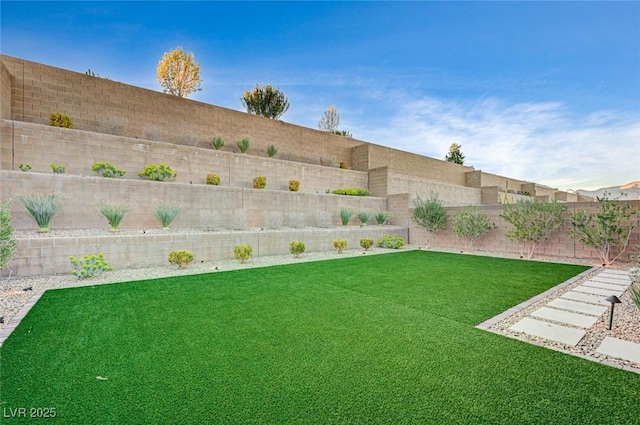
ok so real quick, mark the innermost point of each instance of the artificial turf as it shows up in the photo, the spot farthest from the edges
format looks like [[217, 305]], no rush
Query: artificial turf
[[386, 339]]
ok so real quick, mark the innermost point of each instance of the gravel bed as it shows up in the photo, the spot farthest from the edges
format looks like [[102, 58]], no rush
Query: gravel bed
[[16, 292]]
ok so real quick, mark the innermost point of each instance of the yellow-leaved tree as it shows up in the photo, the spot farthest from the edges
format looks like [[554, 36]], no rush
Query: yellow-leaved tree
[[179, 73]]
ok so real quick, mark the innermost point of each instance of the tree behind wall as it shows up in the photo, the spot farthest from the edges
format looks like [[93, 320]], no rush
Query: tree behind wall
[[330, 120], [455, 154], [265, 101], [178, 73]]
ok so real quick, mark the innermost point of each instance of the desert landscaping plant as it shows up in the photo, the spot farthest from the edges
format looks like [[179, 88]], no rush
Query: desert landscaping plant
[[533, 223], [259, 182], [41, 207], [266, 101], [294, 185], [358, 191], [112, 125], [217, 142], [391, 241], [364, 217], [340, 245], [296, 248], [345, 216], [607, 229], [244, 144], [58, 119], [158, 172], [107, 169], [242, 253], [8, 244], [24, 166], [470, 224], [58, 169], [366, 243], [167, 212], [381, 217], [114, 213], [181, 258], [178, 73], [90, 266], [430, 214], [272, 150], [213, 179]]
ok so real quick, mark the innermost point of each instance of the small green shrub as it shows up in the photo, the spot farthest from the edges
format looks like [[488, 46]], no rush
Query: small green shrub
[[57, 119], [364, 217], [8, 244], [381, 217], [352, 192], [166, 213], [92, 265], [114, 213], [58, 169], [158, 172], [635, 294], [243, 144], [24, 166], [41, 208], [213, 179], [271, 151], [259, 182], [242, 253], [217, 142], [294, 185], [296, 248], [181, 258], [344, 165], [340, 245], [391, 241], [345, 216], [366, 243], [107, 169]]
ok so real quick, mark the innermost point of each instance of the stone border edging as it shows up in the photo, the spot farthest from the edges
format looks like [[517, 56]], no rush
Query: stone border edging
[[15, 320]]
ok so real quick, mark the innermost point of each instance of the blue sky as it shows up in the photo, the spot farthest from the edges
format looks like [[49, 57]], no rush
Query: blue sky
[[542, 91]]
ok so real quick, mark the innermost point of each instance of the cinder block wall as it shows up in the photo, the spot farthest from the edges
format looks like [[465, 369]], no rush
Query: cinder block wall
[[205, 206], [560, 245]]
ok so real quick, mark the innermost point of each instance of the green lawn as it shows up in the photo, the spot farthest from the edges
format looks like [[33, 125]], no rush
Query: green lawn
[[386, 339]]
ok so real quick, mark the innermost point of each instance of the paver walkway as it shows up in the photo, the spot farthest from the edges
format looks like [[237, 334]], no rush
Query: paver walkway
[[565, 318]]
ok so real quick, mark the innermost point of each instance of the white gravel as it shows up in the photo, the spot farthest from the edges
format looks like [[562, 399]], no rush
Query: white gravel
[[16, 292]]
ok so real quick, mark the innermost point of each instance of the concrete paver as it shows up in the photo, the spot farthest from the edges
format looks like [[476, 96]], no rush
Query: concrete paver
[[621, 349], [587, 298], [608, 286], [622, 282], [580, 307], [598, 291], [574, 319], [550, 331]]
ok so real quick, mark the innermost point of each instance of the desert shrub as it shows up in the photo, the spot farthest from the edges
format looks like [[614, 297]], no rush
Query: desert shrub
[[107, 169], [345, 215], [112, 125], [272, 150], [296, 248], [344, 165], [217, 142], [352, 192], [242, 253], [90, 266], [430, 214], [57, 119], [158, 172], [324, 219], [273, 219], [381, 217], [41, 208], [340, 245], [244, 144], [391, 241], [154, 133], [166, 213], [297, 220], [470, 224], [213, 179], [24, 166], [259, 182], [8, 244], [58, 169], [294, 185], [366, 243], [181, 258], [364, 217], [635, 294], [114, 213], [328, 161]]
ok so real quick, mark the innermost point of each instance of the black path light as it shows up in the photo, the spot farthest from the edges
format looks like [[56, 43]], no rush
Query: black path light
[[613, 300]]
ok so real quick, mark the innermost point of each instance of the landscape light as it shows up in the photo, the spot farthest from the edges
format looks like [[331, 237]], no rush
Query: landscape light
[[613, 300]]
